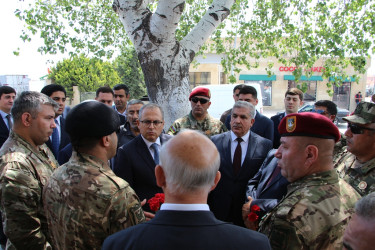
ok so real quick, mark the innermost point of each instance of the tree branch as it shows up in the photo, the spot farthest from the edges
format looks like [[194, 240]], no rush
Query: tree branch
[[214, 16]]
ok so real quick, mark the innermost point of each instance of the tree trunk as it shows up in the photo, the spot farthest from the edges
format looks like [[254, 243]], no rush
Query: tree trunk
[[164, 60]]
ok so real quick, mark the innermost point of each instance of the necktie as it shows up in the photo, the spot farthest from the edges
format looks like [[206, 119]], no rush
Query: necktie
[[55, 141], [10, 124], [276, 171], [237, 157], [155, 147]]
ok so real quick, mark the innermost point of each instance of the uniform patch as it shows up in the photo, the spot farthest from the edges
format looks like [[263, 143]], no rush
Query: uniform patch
[[172, 129], [291, 124]]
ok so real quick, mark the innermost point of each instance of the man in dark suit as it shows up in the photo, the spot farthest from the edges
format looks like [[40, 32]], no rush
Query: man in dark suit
[[293, 101], [136, 160], [7, 95], [242, 153], [265, 189], [184, 220], [121, 97], [262, 126], [59, 138]]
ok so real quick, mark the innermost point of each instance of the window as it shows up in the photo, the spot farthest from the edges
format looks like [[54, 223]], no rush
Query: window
[[199, 78], [341, 95]]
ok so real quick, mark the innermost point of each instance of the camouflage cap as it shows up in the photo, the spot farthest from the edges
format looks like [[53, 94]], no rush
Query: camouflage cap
[[363, 114]]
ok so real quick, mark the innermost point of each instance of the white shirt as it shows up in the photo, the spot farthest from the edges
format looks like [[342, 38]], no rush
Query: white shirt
[[148, 143], [244, 144], [184, 207]]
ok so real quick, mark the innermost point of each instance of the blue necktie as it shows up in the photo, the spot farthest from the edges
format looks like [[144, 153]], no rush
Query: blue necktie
[[55, 141], [10, 124], [155, 147]]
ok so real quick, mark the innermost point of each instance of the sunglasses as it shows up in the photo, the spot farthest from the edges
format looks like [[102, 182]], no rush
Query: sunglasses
[[358, 129], [319, 111], [201, 100]]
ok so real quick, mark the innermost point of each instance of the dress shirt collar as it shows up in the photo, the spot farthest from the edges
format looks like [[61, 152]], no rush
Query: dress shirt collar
[[148, 143], [245, 138], [3, 114], [184, 207]]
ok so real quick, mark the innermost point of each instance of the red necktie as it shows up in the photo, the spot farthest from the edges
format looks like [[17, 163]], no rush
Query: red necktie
[[237, 157], [276, 171]]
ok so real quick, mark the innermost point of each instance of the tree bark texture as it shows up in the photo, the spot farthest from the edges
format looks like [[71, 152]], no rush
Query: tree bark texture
[[164, 60]]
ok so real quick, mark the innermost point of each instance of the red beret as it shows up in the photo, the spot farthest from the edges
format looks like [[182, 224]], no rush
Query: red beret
[[202, 91], [310, 125]]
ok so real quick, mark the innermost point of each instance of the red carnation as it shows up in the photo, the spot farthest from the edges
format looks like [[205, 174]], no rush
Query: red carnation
[[255, 208], [252, 217], [156, 201]]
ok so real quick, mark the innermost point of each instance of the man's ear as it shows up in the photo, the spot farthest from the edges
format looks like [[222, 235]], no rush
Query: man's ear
[[160, 176], [312, 154], [105, 141], [216, 181], [26, 119]]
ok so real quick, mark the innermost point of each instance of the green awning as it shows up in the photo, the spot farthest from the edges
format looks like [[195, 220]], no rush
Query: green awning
[[349, 79], [258, 77], [303, 78]]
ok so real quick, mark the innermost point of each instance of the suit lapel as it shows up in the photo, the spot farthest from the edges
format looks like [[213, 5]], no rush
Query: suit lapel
[[250, 149], [144, 152], [263, 186]]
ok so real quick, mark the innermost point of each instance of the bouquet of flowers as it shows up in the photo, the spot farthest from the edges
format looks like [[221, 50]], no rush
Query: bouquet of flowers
[[156, 201], [254, 217]]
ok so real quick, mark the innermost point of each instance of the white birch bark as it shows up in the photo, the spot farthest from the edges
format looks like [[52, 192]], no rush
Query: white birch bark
[[164, 60]]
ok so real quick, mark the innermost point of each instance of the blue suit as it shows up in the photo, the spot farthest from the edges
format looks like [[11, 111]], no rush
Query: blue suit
[[186, 230], [64, 139], [267, 196], [227, 198], [4, 131], [262, 126], [134, 164], [276, 136]]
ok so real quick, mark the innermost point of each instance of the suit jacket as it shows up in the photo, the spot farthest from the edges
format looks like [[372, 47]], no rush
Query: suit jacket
[[267, 197], [134, 163], [227, 198], [262, 126], [64, 138], [4, 131], [186, 230], [276, 136]]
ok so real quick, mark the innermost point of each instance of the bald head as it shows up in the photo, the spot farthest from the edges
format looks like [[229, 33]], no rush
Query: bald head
[[190, 162]]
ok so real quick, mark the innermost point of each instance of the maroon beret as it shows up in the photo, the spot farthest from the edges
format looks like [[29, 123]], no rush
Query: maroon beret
[[310, 125], [202, 91]]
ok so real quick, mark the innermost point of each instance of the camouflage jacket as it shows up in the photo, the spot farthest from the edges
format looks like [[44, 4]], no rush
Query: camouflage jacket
[[312, 215], [361, 179], [85, 202], [209, 126], [24, 172]]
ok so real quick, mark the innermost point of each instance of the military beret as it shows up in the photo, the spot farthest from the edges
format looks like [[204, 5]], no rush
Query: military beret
[[202, 91], [91, 119], [364, 113], [310, 125]]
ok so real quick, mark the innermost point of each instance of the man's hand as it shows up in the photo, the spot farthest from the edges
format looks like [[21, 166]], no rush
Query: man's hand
[[245, 212], [148, 215]]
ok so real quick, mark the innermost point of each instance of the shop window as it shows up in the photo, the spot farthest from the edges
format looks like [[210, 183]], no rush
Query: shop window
[[199, 78], [266, 87], [310, 94], [341, 95]]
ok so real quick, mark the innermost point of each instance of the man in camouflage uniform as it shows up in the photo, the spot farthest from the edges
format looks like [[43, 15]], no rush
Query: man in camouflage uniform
[[84, 200], [198, 118], [356, 165], [26, 164], [318, 205]]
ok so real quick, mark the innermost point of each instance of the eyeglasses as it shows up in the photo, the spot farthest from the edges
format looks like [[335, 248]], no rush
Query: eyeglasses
[[201, 100], [319, 111], [148, 123], [358, 129]]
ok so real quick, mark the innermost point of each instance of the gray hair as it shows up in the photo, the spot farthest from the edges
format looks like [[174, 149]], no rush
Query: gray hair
[[135, 101], [247, 105], [182, 177], [150, 106], [365, 207], [30, 102]]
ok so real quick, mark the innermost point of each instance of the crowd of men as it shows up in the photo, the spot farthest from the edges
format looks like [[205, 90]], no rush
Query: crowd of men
[[82, 180]]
